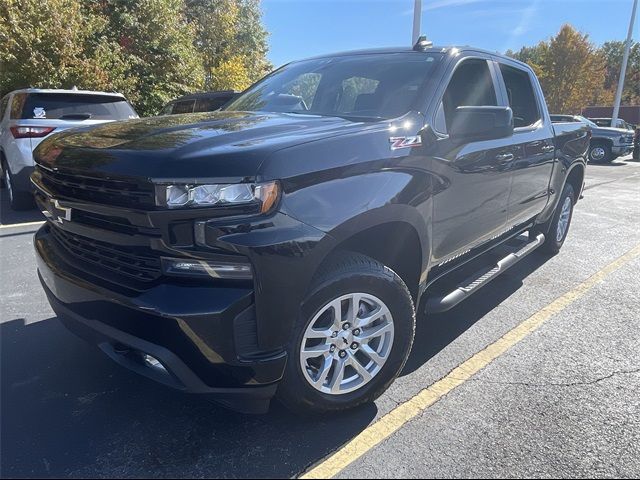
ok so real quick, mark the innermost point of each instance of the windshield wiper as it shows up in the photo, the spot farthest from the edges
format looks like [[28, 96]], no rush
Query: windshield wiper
[[75, 116], [355, 118]]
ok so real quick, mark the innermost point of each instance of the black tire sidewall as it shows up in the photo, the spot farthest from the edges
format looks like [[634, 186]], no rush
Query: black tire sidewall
[[608, 156], [294, 390], [19, 199], [552, 244]]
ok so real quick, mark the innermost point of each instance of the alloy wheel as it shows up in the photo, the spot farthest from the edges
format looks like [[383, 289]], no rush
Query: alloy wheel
[[347, 343], [563, 220]]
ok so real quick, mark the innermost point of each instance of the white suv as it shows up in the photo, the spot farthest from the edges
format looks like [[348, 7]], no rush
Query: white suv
[[28, 116]]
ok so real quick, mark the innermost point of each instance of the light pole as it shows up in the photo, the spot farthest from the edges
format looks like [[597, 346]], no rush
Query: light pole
[[623, 70], [417, 14]]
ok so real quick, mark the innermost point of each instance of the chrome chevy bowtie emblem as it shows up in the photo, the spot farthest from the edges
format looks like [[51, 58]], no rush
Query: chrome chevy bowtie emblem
[[57, 212]]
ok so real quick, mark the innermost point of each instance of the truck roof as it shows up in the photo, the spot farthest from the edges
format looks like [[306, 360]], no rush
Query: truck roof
[[67, 91], [451, 49]]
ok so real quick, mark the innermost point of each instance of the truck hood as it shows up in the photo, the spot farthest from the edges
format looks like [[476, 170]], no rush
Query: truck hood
[[229, 145], [610, 131]]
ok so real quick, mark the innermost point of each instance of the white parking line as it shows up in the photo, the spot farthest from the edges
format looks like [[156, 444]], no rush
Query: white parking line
[[25, 224]]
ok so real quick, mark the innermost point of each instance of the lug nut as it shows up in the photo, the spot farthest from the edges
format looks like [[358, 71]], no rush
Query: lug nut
[[332, 348], [334, 334], [346, 326], [356, 332], [354, 346], [342, 354]]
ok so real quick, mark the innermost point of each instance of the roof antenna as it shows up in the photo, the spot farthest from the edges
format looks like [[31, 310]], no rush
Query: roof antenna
[[422, 44]]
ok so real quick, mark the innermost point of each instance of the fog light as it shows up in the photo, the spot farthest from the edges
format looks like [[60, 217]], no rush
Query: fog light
[[205, 268]]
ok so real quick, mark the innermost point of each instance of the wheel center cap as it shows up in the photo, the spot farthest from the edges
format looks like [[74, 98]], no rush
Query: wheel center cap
[[346, 336]]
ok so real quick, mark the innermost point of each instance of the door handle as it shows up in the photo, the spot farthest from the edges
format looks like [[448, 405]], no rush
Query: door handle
[[504, 157], [548, 148]]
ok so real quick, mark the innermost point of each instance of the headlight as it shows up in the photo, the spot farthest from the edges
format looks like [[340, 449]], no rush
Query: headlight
[[263, 195]]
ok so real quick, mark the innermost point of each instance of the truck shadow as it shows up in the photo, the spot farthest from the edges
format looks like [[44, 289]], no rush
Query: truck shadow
[[436, 331], [66, 410], [9, 216]]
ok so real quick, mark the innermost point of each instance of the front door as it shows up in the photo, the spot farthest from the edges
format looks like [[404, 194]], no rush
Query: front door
[[472, 180]]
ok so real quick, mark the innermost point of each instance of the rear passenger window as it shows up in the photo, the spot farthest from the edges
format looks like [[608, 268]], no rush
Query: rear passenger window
[[470, 86], [522, 98]]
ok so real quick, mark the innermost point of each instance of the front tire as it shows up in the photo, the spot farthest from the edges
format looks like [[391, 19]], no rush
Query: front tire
[[557, 228], [352, 339], [600, 153]]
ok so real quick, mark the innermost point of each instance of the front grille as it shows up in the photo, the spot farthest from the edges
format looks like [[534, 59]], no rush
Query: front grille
[[139, 263], [98, 190]]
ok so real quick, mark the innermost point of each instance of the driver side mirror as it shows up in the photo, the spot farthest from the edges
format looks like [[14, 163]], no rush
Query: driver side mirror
[[471, 124]]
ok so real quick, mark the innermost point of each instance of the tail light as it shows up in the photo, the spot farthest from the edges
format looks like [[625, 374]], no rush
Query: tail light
[[31, 132]]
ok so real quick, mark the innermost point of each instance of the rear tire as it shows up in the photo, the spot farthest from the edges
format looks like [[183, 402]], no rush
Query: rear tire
[[557, 227], [361, 289], [18, 199]]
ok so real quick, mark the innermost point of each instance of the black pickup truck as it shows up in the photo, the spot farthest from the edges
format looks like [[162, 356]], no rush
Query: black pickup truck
[[606, 143], [284, 245]]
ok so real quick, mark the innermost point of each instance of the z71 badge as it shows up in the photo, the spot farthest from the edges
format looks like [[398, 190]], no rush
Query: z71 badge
[[405, 142]]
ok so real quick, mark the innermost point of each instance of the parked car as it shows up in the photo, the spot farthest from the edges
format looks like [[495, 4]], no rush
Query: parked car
[[636, 143], [199, 102], [607, 143], [29, 116], [284, 244], [606, 122]]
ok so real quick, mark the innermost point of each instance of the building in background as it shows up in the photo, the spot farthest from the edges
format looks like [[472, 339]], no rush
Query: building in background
[[630, 114]]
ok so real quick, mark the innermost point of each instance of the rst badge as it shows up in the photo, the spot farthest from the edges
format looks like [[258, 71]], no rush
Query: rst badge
[[405, 142], [57, 212]]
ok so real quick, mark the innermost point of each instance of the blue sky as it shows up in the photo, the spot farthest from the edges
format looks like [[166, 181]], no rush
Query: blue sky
[[303, 28]]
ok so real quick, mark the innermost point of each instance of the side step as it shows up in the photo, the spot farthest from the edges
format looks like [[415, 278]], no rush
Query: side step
[[472, 285]]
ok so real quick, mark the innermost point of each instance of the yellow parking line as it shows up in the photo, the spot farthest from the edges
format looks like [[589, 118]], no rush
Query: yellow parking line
[[26, 224], [396, 418]]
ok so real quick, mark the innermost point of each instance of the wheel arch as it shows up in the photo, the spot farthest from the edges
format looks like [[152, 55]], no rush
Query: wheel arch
[[398, 239], [575, 178]]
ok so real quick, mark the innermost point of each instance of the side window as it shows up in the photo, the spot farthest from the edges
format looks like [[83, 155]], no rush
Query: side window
[[356, 92], [522, 98], [470, 86], [166, 110], [184, 106], [17, 105], [3, 106], [304, 86]]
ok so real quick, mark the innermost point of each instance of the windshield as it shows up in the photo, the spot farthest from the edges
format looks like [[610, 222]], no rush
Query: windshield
[[586, 120], [375, 86], [75, 106]]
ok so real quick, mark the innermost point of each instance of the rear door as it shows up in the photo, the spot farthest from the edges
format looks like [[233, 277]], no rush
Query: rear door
[[470, 202], [533, 143]]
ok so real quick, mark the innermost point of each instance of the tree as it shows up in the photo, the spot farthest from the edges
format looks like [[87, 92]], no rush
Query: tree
[[158, 45], [571, 71], [232, 41], [612, 53], [51, 43]]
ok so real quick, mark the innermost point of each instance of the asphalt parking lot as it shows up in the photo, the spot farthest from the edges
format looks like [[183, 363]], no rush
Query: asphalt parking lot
[[564, 401]]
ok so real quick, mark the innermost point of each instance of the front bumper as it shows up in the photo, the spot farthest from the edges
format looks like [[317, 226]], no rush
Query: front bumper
[[193, 331], [621, 150]]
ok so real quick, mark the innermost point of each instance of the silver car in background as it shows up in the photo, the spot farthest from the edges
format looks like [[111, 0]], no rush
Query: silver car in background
[[29, 116]]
